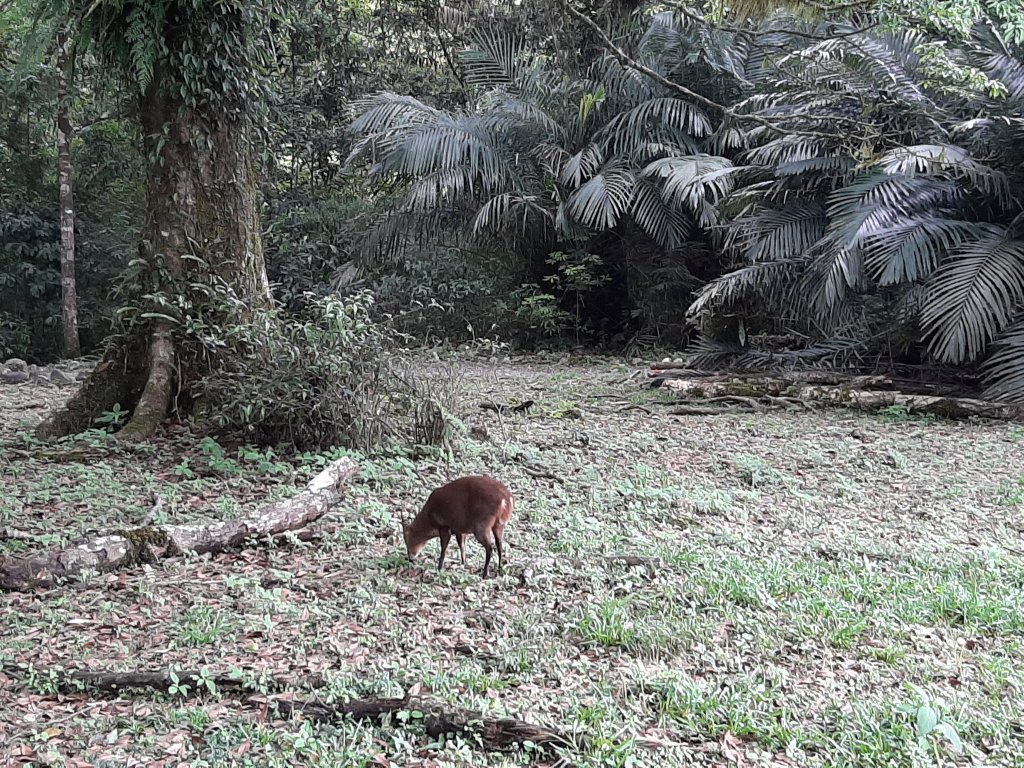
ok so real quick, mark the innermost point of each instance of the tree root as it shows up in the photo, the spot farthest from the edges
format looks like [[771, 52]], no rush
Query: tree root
[[154, 403]]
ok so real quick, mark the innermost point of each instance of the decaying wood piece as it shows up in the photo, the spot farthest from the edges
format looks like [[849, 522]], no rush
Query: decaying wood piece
[[494, 733], [754, 393], [154, 542], [954, 407]]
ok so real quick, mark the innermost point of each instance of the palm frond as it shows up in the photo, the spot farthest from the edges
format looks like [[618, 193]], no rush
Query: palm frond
[[386, 111], [662, 222], [601, 201], [664, 111], [568, 227], [583, 165], [973, 296], [786, 149], [446, 185], [497, 213], [857, 212], [865, 63], [448, 144], [935, 159], [552, 156], [1004, 368], [869, 204], [706, 353], [727, 137], [778, 233], [528, 114], [497, 58], [773, 279], [824, 165], [831, 275], [694, 182], [997, 60], [909, 250]]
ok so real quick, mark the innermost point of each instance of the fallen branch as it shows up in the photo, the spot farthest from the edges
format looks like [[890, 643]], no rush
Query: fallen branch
[[152, 543], [494, 733], [697, 410], [163, 680], [761, 392]]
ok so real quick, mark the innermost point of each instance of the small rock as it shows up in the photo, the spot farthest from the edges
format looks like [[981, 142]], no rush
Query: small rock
[[16, 364], [13, 377], [57, 376], [479, 432]]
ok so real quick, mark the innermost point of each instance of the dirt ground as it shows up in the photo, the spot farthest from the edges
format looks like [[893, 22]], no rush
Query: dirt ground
[[827, 589]]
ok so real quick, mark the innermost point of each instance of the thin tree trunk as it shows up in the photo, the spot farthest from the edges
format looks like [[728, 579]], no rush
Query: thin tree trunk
[[69, 293]]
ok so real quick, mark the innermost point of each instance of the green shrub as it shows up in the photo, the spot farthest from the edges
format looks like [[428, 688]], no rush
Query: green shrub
[[328, 378], [29, 280]]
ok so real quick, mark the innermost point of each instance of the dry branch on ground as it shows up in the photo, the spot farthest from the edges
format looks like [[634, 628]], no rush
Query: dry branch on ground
[[494, 733], [703, 395], [151, 543]]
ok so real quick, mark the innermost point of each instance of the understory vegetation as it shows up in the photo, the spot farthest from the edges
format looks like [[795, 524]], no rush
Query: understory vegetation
[[778, 187]]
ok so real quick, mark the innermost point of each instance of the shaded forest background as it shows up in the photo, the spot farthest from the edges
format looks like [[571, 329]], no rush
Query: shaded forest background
[[757, 186]]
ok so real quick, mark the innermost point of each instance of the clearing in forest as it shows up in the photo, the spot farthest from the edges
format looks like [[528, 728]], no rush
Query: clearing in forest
[[823, 589]]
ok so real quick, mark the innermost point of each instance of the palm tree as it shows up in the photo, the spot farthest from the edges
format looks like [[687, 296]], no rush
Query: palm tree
[[901, 229], [611, 163]]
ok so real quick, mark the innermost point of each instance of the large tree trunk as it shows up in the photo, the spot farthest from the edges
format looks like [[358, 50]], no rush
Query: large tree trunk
[[203, 223], [69, 293]]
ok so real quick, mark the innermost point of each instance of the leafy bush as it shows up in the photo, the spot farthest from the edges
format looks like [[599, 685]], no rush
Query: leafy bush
[[29, 280], [15, 335], [447, 293], [309, 242], [325, 379]]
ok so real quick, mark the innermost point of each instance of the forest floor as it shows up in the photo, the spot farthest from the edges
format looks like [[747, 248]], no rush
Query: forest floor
[[834, 589]]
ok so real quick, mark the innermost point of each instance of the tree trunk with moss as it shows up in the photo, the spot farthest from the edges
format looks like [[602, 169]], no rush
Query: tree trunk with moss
[[202, 222], [69, 293]]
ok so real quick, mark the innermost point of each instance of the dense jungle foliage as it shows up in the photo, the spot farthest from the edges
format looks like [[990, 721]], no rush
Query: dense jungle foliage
[[756, 184]]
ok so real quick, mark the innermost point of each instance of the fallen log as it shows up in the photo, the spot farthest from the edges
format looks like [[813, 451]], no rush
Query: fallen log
[[936, 405], [438, 718], [667, 377], [152, 543], [705, 396], [493, 733]]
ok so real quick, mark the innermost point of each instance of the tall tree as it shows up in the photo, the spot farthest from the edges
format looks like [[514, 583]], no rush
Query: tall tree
[[196, 68], [69, 294]]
